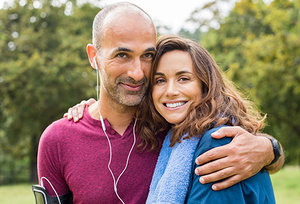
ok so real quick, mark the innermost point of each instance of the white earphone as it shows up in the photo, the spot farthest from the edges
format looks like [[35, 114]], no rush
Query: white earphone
[[110, 148], [101, 119], [42, 184]]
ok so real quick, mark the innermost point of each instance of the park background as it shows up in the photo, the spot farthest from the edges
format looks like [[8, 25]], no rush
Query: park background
[[44, 70]]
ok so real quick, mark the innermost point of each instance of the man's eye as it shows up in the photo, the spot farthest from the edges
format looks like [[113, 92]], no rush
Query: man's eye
[[149, 55], [121, 55]]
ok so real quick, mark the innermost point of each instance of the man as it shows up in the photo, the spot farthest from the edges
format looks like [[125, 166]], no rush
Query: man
[[98, 160]]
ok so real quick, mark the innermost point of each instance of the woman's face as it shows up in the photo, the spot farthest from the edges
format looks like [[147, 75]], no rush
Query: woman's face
[[176, 86]]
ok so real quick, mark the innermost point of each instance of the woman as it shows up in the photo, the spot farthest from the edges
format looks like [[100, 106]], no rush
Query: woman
[[189, 96]]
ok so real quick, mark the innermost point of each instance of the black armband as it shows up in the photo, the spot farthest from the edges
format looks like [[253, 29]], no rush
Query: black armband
[[42, 197]]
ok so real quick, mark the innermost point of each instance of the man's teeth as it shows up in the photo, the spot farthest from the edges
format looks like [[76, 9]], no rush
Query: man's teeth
[[174, 105]]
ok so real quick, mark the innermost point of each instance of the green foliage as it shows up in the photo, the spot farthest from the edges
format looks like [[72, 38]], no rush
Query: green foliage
[[44, 70], [208, 16], [259, 46]]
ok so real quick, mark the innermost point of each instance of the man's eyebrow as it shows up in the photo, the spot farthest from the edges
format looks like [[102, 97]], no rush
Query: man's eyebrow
[[150, 49], [122, 49]]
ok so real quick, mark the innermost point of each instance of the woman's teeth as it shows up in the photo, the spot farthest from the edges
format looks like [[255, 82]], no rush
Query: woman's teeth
[[174, 105]]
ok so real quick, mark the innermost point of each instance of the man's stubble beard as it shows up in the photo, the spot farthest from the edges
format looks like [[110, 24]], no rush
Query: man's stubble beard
[[122, 96]]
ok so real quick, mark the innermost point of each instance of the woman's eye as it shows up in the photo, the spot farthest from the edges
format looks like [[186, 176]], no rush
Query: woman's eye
[[184, 79], [159, 81]]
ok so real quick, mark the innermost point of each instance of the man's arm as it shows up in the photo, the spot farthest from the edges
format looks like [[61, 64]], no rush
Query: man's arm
[[48, 162], [240, 159], [273, 168]]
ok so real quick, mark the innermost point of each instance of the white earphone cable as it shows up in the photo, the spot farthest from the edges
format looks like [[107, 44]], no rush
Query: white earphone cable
[[51, 187], [109, 143]]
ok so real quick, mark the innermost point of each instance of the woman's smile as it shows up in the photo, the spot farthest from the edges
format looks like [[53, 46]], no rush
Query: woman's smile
[[173, 105]]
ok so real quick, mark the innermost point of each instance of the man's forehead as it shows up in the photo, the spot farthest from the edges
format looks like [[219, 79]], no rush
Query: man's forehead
[[125, 17], [128, 33], [127, 12]]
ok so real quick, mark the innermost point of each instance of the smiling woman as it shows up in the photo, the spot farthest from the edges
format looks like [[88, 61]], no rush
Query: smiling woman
[[190, 94], [190, 97]]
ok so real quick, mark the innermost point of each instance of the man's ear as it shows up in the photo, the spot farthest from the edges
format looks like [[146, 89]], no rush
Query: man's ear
[[92, 52]]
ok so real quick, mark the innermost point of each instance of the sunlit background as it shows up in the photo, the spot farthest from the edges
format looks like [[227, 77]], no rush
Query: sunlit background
[[44, 70], [167, 12]]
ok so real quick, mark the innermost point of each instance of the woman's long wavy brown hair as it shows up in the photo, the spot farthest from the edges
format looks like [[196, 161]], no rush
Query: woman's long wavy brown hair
[[221, 104]]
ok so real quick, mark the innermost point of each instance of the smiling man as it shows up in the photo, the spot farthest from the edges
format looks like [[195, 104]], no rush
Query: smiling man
[[98, 159]]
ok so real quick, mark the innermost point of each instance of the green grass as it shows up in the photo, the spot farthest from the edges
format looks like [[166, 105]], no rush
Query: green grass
[[285, 183], [16, 194]]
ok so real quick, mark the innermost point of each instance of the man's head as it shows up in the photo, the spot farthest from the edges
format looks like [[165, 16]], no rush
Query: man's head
[[123, 43]]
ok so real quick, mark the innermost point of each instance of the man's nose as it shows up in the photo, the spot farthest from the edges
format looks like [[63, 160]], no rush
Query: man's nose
[[136, 71]]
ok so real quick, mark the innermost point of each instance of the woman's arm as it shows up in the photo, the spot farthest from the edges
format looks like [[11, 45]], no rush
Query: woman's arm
[[76, 112]]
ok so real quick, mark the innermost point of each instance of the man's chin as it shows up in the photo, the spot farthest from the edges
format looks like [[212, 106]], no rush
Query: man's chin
[[131, 101]]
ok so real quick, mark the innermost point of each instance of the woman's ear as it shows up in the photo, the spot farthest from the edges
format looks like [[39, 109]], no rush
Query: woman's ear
[[92, 53]]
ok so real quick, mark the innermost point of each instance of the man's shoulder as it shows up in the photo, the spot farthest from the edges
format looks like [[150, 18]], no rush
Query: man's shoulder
[[59, 124], [57, 129]]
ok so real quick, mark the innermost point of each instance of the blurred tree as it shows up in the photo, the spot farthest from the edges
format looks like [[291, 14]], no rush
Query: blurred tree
[[208, 16], [43, 71], [259, 46], [273, 68]]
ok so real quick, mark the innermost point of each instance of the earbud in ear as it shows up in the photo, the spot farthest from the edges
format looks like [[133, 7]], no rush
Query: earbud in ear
[[94, 58]]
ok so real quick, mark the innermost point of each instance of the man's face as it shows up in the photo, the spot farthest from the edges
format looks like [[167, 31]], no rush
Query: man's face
[[125, 57]]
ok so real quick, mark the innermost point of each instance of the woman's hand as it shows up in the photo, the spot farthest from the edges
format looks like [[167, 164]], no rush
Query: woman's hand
[[76, 112]]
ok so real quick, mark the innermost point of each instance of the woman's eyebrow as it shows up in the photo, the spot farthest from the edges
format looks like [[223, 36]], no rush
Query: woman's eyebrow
[[159, 74], [183, 72], [177, 73]]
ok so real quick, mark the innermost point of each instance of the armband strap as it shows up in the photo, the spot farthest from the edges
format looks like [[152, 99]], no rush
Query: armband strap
[[64, 199], [42, 197]]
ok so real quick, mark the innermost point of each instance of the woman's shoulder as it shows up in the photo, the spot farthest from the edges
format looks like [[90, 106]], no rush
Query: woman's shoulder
[[207, 142], [256, 189]]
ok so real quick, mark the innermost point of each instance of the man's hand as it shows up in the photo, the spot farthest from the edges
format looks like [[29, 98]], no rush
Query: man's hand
[[76, 112], [243, 157]]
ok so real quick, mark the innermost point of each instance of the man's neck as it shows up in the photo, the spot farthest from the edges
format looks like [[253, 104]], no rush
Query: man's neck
[[119, 116]]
